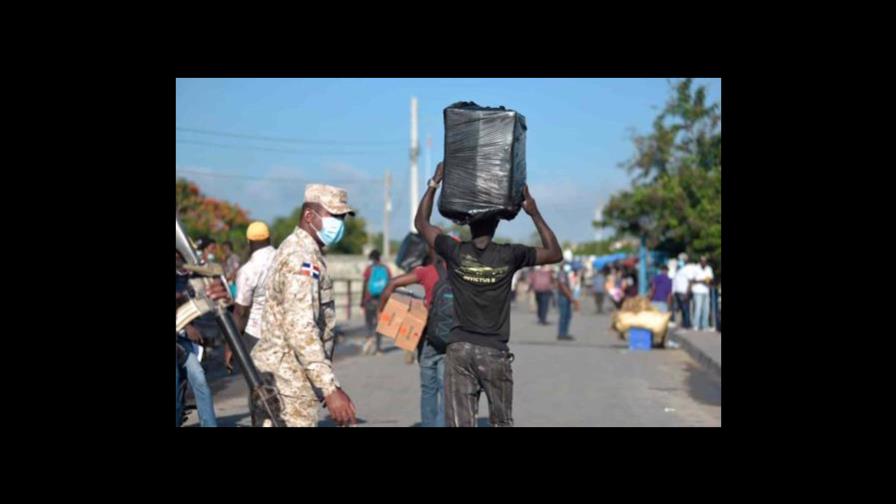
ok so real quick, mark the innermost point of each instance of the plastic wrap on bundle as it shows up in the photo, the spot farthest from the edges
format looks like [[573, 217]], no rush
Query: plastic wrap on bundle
[[412, 252], [485, 163]]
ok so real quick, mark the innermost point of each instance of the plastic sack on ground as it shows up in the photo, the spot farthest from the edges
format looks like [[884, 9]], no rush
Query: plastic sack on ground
[[638, 312]]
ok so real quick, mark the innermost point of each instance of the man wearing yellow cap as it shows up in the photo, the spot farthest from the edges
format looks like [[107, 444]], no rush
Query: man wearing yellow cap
[[250, 280], [295, 349]]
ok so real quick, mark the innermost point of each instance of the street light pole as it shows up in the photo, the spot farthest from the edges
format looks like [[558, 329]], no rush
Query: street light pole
[[415, 151], [646, 224]]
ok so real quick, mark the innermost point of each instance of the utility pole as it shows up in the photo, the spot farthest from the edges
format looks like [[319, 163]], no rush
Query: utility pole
[[428, 161], [387, 210], [415, 151]]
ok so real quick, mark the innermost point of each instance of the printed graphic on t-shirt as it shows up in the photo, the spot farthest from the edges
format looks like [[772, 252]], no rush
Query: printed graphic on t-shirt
[[473, 271]]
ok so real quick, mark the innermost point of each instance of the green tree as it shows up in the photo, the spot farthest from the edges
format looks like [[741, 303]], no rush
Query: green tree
[[598, 248], [463, 232], [676, 195], [687, 132], [284, 226], [375, 240]]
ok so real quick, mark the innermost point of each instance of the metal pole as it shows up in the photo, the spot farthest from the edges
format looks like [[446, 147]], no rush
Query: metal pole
[[642, 267], [387, 211], [415, 151], [428, 160]]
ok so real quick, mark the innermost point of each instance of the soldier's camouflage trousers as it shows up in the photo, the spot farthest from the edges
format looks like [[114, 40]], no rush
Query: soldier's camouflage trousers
[[299, 404]]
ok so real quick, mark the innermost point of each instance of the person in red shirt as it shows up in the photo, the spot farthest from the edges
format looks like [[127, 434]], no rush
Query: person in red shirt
[[432, 361]]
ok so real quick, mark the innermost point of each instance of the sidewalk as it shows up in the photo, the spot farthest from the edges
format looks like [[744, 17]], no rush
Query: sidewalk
[[704, 347]]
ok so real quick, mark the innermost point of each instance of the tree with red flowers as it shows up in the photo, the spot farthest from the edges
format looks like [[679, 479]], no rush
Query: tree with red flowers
[[205, 216]]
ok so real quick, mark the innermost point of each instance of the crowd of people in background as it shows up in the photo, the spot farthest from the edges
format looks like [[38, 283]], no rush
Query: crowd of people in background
[[688, 290]]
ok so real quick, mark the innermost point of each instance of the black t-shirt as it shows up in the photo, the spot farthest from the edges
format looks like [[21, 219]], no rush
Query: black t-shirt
[[481, 280]]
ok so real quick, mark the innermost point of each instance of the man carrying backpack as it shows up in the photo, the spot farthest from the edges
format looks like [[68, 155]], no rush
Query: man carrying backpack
[[439, 300], [376, 276]]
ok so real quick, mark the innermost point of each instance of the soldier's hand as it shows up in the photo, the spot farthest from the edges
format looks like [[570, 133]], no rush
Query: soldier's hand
[[440, 173], [217, 291], [341, 408]]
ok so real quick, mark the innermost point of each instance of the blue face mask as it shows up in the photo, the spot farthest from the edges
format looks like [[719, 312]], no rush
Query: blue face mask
[[332, 231]]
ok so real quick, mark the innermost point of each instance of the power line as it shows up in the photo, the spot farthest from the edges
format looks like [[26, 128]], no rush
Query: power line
[[252, 147], [281, 139], [285, 179]]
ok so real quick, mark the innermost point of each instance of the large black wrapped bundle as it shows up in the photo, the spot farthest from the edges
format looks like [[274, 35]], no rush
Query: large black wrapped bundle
[[485, 163], [412, 252]]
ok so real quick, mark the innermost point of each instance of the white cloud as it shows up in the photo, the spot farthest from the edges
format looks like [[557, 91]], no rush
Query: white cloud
[[568, 206]]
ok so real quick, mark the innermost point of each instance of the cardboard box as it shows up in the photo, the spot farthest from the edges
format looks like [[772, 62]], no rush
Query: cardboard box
[[403, 319]]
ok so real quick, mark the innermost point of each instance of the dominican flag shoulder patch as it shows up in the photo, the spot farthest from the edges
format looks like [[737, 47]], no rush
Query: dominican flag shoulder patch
[[309, 269]]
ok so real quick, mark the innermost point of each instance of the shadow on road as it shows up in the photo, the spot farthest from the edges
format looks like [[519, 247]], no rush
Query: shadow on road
[[328, 422], [703, 385], [616, 346], [233, 420]]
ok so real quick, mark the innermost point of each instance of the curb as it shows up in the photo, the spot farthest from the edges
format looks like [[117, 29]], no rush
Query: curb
[[698, 355]]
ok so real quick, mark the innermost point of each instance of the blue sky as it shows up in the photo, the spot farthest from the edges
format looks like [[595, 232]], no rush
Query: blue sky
[[353, 130]]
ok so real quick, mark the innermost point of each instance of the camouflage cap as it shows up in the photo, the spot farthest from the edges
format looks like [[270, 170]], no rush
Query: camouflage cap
[[334, 199]]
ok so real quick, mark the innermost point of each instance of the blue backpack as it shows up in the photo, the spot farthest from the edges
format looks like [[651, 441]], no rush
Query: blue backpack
[[379, 277]]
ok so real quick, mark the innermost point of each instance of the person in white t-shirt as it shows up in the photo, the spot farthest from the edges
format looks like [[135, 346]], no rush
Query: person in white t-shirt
[[700, 283], [672, 265], [681, 284], [250, 283]]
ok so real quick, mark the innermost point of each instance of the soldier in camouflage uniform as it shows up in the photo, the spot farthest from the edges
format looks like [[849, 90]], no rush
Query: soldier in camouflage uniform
[[296, 347]]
